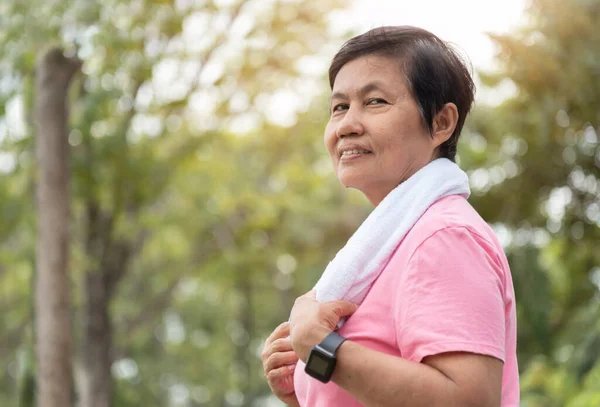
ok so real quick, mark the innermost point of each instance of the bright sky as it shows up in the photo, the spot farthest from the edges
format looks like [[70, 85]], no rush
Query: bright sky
[[462, 22]]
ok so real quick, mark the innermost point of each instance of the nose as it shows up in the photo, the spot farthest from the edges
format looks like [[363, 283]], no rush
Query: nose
[[350, 125]]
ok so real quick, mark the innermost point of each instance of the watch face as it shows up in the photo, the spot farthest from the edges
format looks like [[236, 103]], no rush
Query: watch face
[[320, 365]]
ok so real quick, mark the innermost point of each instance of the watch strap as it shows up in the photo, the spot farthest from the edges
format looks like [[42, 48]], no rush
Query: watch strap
[[332, 342]]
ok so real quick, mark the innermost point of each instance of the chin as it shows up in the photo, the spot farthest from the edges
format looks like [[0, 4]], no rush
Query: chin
[[352, 182]]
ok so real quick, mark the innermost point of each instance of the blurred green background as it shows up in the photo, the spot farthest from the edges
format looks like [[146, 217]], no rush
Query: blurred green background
[[202, 205]]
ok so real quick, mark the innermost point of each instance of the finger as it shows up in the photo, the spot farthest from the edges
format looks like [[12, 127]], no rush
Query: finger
[[281, 345], [280, 359], [278, 346], [281, 372], [342, 308], [281, 331]]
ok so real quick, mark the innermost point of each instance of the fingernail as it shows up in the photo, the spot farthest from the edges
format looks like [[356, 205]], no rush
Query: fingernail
[[291, 367]]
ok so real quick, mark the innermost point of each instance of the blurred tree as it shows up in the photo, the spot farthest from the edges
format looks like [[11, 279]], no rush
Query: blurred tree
[[190, 241], [276, 221], [160, 78], [534, 162], [53, 297]]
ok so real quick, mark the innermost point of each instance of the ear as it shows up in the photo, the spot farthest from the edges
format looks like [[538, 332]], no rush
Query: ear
[[444, 123]]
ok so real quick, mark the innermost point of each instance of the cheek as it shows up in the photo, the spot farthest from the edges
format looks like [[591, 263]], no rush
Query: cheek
[[329, 140]]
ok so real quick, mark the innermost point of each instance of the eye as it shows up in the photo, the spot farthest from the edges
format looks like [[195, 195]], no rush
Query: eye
[[377, 101], [339, 107]]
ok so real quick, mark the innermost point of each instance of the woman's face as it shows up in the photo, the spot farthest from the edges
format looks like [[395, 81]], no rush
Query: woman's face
[[375, 135]]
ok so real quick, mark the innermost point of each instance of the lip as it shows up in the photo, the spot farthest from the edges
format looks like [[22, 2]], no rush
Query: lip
[[352, 157], [349, 147]]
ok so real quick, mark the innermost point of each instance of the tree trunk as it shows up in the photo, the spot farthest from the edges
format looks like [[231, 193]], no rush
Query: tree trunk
[[97, 343], [53, 298], [242, 352], [109, 258]]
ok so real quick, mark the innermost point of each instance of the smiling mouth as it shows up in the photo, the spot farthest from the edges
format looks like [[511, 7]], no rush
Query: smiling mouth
[[353, 154]]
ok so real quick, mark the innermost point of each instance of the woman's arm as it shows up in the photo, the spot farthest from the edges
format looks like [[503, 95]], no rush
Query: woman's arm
[[450, 379], [377, 380]]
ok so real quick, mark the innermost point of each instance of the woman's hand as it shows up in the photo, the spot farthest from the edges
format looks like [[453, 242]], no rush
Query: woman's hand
[[311, 321], [279, 362]]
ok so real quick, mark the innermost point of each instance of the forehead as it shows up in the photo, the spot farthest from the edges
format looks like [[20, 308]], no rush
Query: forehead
[[370, 68]]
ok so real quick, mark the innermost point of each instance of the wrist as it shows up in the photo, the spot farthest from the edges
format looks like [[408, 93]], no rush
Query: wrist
[[303, 342], [322, 359]]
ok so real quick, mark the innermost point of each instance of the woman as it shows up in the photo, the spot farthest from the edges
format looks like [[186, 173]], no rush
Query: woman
[[435, 324]]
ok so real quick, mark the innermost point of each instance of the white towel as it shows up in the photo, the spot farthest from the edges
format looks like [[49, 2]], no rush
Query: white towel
[[357, 265]]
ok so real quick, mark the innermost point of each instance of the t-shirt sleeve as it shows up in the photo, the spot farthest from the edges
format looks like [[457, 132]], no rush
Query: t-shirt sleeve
[[450, 297]]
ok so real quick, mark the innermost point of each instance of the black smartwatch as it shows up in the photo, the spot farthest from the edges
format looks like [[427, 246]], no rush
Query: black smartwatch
[[321, 360]]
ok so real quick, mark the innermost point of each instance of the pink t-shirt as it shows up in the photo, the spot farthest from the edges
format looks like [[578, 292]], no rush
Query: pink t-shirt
[[446, 288]]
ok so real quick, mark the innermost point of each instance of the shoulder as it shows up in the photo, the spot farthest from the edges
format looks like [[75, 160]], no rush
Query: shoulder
[[451, 239], [452, 215], [450, 227]]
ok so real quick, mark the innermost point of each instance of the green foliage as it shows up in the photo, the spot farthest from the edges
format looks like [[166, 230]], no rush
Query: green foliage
[[535, 158], [188, 214], [223, 231]]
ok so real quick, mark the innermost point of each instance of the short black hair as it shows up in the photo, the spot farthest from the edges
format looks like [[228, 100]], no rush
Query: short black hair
[[435, 72]]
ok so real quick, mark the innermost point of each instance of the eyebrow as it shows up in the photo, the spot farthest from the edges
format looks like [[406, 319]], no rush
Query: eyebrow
[[369, 87]]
